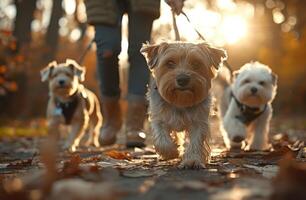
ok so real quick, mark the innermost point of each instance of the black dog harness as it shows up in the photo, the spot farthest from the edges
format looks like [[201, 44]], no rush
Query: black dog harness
[[248, 114], [67, 109]]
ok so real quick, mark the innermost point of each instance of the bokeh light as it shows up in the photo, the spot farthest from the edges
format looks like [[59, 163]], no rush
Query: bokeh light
[[75, 34], [69, 6]]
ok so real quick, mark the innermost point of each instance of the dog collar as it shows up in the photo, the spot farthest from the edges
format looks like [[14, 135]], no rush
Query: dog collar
[[248, 114], [67, 109]]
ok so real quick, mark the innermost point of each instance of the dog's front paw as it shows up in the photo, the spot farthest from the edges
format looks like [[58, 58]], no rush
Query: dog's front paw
[[70, 148], [257, 147], [192, 164], [167, 152]]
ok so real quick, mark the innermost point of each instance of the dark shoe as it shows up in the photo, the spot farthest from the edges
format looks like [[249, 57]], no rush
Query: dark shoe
[[135, 117], [112, 121]]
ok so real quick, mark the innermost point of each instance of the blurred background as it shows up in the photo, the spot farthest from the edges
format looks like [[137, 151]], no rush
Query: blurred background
[[35, 32]]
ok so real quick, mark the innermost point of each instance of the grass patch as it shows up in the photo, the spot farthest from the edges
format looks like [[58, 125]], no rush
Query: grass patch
[[8, 131]]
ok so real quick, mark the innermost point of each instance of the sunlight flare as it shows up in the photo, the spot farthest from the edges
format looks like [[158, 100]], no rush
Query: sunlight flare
[[233, 28], [227, 25]]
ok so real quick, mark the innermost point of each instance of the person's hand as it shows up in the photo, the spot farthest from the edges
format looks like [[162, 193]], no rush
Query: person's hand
[[176, 5]]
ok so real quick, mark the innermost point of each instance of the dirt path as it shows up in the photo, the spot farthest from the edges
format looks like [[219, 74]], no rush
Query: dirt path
[[118, 173]]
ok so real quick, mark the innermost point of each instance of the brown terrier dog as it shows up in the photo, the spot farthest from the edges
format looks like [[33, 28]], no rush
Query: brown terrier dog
[[179, 97], [70, 103]]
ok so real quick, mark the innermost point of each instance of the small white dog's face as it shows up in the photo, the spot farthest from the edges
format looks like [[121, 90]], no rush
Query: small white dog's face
[[255, 84], [63, 78]]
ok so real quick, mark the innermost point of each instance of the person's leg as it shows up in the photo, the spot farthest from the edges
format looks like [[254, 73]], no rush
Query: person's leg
[[108, 41], [140, 26]]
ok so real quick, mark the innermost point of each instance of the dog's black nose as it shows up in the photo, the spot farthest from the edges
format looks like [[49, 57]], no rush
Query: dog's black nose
[[182, 80], [238, 139], [61, 82], [254, 90]]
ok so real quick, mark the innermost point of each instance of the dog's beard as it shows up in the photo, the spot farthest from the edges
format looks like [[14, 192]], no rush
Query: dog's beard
[[64, 90], [188, 96]]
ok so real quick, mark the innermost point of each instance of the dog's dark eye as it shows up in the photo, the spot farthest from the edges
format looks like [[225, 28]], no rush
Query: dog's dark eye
[[262, 83], [68, 74], [53, 75], [246, 81], [170, 63], [196, 65]]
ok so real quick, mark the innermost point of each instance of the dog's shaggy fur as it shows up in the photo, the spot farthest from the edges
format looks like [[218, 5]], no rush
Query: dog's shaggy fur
[[70, 103], [245, 106], [179, 98]]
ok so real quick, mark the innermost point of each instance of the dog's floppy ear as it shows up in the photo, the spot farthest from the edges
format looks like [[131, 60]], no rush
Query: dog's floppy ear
[[151, 53], [47, 71], [218, 56], [77, 69], [274, 78], [235, 74]]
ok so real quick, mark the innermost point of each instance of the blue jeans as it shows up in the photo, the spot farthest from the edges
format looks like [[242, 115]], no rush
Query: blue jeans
[[108, 41]]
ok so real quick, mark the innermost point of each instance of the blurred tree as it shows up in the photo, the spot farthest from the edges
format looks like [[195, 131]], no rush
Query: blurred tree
[[24, 16], [52, 36]]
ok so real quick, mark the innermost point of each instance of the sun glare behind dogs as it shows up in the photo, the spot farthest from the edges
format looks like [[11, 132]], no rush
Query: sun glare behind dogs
[[234, 28], [227, 25]]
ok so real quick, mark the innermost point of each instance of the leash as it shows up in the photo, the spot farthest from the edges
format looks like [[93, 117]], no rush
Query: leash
[[178, 38], [81, 58]]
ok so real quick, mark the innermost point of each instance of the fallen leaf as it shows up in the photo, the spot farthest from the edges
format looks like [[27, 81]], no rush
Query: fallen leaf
[[301, 154], [120, 155], [72, 167], [3, 165], [20, 163], [290, 182]]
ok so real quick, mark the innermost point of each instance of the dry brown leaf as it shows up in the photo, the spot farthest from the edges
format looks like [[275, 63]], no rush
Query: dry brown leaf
[[119, 155], [290, 182], [20, 163], [72, 167]]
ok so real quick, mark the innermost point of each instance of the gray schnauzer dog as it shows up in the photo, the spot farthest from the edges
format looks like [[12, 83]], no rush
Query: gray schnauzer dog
[[179, 98]]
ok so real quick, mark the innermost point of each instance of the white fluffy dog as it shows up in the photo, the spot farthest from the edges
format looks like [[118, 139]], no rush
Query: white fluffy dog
[[245, 106]]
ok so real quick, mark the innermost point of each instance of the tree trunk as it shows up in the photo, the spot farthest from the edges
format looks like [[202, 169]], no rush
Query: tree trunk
[[52, 35], [23, 20]]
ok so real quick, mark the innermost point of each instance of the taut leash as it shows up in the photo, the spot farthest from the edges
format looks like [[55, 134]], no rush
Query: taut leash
[[81, 59], [176, 31], [177, 35]]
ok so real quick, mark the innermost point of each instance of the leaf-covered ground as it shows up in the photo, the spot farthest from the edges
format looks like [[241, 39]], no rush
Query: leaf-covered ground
[[30, 168]]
